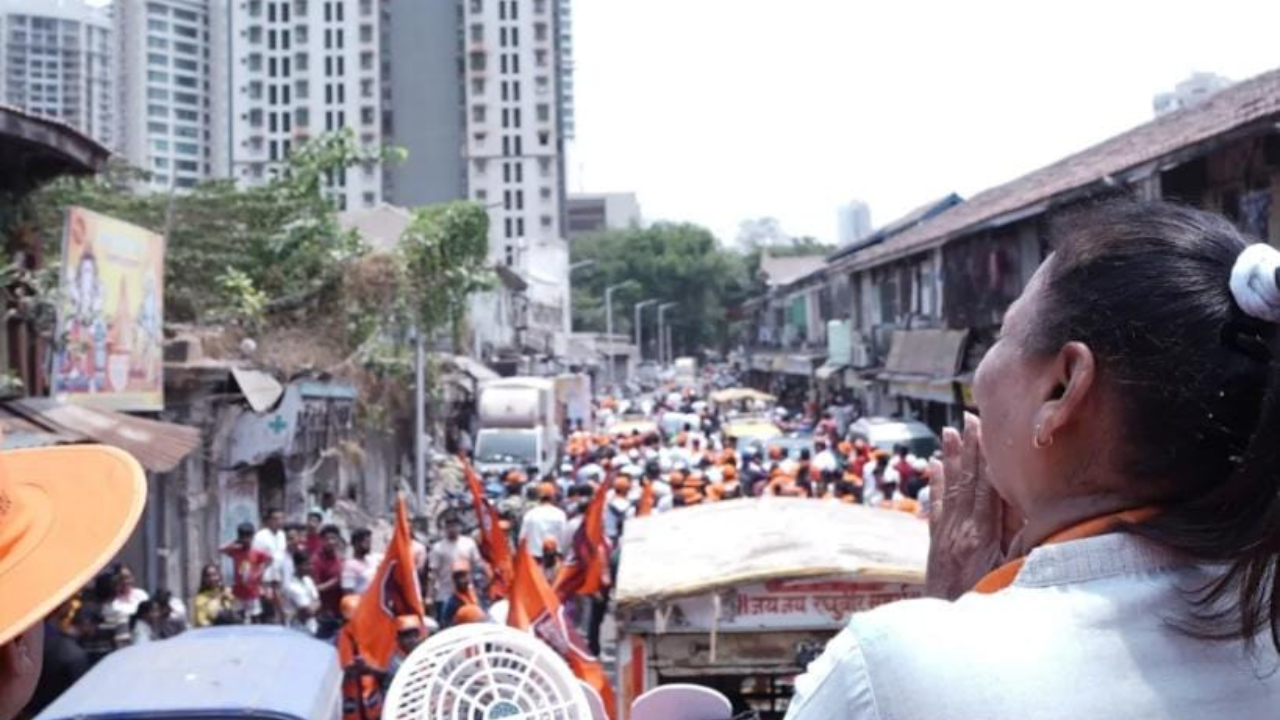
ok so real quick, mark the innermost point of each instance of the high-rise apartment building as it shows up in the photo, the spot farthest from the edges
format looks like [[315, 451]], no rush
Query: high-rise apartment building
[[423, 110], [1197, 88], [301, 68], [173, 76], [853, 222], [514, 151], [564, 48], [56, 60]]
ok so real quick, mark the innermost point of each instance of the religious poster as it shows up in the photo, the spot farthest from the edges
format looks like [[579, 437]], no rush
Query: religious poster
[[109, 349]]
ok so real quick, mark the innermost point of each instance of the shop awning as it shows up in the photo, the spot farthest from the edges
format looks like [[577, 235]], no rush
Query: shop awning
[[158, 446], [925, 353], [801, 365], [828, 370]]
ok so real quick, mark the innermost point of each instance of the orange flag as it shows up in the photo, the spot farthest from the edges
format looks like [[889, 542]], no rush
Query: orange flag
[[645, 506], [535, 608], [494, 547], [393, 592], [584, 572]]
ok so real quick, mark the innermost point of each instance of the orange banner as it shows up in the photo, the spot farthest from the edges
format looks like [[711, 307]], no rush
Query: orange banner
[[584, 572], [393, 593], [535, 608], [494, 546]]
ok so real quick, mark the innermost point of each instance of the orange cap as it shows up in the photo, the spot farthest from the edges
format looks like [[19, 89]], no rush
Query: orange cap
[[468, 614], [845, 447], [681, 439], [775, 453], [549, 545], [409, 623], [547, 491], [730, 472], [347, 606], [622, 484], [64, 513], [514, 477]]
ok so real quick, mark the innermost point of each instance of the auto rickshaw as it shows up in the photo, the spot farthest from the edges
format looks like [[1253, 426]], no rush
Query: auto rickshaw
[[252, 672], [741, 595]]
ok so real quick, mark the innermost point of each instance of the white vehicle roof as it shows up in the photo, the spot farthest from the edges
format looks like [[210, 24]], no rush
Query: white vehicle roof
[[705, 548]]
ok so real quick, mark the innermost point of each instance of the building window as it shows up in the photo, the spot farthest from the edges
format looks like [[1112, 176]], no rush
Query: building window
[[255, 62], [366, 88], [477, 86], [519, 224], [302, 117], [299, 7], [370, 199], [302, 90], [544, 112], [368, 115], [157, 76], [509, 230], [255, 35], [366, 62], [541, 84], [477, 113], [157, 94], [477, 32], [540, 58], [366, 33], [157, 111], [300, 34], [158, 128], [544, 137], [302, 61], [544, 167], [546, 222], [477, 7], [154, 43], [540, 32], [481, 195], [481, 165], [185, 148], [509, 253], [255, 8], [157, 25], [476, 58], [540, 7], [366, 8], [544, 192]]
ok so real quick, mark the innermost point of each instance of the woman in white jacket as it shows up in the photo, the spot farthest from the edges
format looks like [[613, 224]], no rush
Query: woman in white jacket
[[1105, 540]]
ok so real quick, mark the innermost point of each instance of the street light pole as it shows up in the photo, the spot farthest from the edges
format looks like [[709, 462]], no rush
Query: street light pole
[[662, 312], [608, 322], [639, 331]]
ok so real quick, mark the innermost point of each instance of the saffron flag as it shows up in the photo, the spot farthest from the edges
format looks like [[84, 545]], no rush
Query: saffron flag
[[394, 592], [535, 608], [494, 547], [645, 506], [583, 573]]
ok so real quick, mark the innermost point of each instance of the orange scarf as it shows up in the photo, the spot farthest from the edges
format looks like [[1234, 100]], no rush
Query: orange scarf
[[1003, 576]]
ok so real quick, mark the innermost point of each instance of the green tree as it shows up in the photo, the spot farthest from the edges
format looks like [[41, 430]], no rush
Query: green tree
[[675, 262], [443, 254], [234, 252]]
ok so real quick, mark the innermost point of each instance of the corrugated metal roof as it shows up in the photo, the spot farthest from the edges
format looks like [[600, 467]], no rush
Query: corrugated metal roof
[[158, 446], [1244, 103]]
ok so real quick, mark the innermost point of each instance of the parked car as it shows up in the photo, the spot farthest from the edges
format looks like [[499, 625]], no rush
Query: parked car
[[886, 433]]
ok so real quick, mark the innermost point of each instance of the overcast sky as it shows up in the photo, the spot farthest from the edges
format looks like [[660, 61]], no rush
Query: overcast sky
[[715, 111]]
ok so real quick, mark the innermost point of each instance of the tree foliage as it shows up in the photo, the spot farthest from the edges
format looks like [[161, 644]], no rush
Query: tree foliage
[[667, 261], [234, 252], [443, 254]]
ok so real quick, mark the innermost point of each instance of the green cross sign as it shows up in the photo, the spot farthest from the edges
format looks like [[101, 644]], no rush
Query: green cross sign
[[277, 424]]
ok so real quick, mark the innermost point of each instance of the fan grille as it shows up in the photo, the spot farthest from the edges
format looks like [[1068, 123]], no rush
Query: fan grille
[[484, 672]]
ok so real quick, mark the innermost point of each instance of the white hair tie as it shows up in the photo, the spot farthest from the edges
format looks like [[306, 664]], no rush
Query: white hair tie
[[1255, 283]]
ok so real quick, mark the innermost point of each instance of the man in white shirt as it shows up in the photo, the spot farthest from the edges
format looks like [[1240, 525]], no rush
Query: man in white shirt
[[543, 521], [271, 540], [444, 554], [301, 599], [359, 569]]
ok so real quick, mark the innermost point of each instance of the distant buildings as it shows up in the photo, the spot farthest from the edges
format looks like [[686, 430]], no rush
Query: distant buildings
[[301, 68], [57, 60], [596, 212], [173, 90], [853, 222], [1194, 89]]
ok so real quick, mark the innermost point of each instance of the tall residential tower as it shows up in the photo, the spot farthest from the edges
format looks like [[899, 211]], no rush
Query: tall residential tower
[[57, 60]]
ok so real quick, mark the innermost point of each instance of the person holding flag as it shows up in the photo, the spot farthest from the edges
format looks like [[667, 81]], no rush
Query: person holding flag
[[369, 640], [494, 546], [536, 608]]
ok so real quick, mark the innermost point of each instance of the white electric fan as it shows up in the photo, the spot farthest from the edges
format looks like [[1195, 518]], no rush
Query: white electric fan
[[485, 671]]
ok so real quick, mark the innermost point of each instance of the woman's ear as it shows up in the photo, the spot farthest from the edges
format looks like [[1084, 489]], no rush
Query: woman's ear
[[1074, 375]]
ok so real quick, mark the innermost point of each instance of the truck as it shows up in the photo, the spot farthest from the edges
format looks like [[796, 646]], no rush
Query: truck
[[519, 426], [573, 401], [686, 372], [740, 596]]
